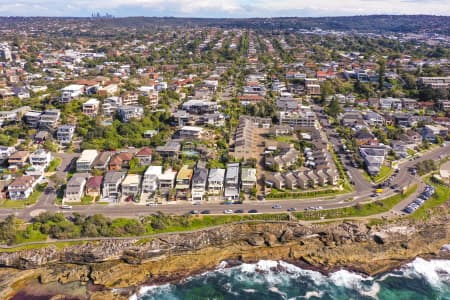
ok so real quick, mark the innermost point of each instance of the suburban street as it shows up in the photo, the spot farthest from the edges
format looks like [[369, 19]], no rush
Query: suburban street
[[362, 193]]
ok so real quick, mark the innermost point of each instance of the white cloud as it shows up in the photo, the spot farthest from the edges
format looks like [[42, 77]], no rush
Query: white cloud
[[227, 8]]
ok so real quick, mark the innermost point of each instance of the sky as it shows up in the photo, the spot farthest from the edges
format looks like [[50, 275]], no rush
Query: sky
[[222, 8]]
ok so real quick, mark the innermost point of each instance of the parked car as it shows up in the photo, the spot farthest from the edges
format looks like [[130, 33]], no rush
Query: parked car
[[276, 206], [292, 209], [206, 212], [228, 211], [252, 211], [194, 212], [238, 211]]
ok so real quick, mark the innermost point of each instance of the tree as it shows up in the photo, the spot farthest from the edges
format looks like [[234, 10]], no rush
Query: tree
[[335, 108]]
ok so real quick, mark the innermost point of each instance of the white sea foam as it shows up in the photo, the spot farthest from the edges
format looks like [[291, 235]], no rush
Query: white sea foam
[[311, 294], [435, 272]]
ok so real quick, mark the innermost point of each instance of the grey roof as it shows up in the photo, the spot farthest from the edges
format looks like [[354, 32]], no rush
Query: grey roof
[[200, 176], [233, 170], [113, 177], [216, 174]]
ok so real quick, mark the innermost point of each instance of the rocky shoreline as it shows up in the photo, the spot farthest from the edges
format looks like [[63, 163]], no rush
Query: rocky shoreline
[[115, 269]]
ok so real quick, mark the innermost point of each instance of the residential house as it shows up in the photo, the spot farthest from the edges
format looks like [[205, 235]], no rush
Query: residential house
[[275, 180], [21, 187], [130, 98], [94, 186], [150, 181], [144, 156], [374, 119], [248, 179], [232, 182], [216, 181], [111, 185], [166, 181], [430, 132], [32, 118], [65, 134], [6, 152], [19, 158], [304, 118], [373, 158], [71, 92], [444, 105], [49, 119], [91, 107], [170, 150], [199, 181], [131, 186], [190, 132], [86, 160], [183, 183], [101, 161], [120, 161], [40, 157], [75, 188], [126, 113]]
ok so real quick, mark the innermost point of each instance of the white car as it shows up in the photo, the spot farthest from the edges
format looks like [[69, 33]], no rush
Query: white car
[[228, 211], [65, 206]]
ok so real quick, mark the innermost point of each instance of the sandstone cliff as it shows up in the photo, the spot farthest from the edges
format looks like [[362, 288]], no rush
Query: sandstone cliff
[[129, 263]]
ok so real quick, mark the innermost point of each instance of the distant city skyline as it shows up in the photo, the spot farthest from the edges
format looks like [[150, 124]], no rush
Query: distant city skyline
[[221, 8]]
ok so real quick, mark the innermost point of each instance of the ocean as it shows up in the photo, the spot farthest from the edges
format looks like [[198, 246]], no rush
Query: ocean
[[418, 280]]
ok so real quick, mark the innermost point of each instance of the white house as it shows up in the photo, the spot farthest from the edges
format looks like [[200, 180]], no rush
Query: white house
[[71, 92], [150, 180], [86, 159], [40, 157]]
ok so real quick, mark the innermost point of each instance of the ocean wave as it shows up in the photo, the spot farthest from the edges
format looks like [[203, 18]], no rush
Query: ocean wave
[[280, 280]]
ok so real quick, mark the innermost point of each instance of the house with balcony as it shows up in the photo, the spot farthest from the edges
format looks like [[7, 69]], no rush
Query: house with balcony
[[19, 158], [91, 107], [40, 157], [232, 182], [199, 181], [49, 119], [21, 188], [71, 92], [183, 183], [131, 186], [150, 180], [75, 188], [111, 185], [86, 160], [431, 132], [101, 161], [216, 179], [6, 152], [126, 113], [166, 181], [65, 134], [248, 179]]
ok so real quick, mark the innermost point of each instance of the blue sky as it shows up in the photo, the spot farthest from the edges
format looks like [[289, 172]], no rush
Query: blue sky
[[222, 8]]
